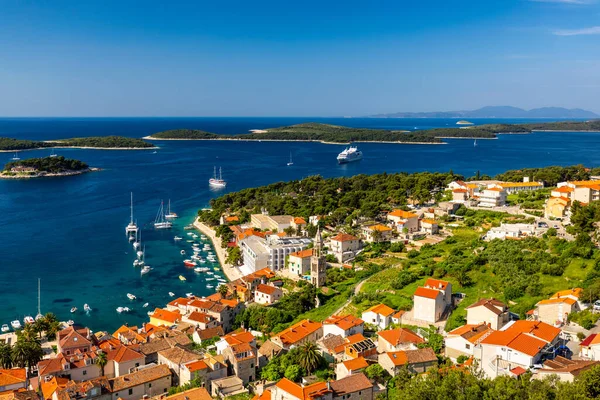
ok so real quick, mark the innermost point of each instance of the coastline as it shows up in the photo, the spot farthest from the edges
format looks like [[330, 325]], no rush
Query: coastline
[[82, 147], [229, 270], [296, 140], [58, 175]]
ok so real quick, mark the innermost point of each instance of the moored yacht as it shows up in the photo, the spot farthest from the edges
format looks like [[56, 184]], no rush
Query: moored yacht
[[87, 308], [170, 214], [349, 154], [217, 182], [28, 320], [5, 328], [16, 324], [131, 296], [160, 222], [132, 226]]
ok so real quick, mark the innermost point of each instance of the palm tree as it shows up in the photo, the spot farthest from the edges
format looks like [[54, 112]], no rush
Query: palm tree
[[34, 353], [52, 325], [101, 361], [20, 353], [309, 357], [222, 290], [5, 356]]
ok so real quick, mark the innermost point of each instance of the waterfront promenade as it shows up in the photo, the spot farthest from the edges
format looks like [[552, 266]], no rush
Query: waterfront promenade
[[232, 272]]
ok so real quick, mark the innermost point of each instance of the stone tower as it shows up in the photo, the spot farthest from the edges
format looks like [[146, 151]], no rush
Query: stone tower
[[317, 262]]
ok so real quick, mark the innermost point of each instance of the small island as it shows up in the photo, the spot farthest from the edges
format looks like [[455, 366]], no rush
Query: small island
[[93, 142], [44, 167], [464, 122]]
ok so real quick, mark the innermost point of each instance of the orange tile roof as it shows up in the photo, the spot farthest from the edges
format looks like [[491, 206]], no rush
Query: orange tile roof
[[350, 340], [355, 364], [266, 395], [403, 214], [229, 302], [345, 322], [519, 184], [381, 309], [556, 300], [404, 357], [196, 365], [399, 314], [123, 354], [343, 237], [459, 191], [380, 228], [529, 337], [538, 329], [302, 253], [239, 337], [198, 393], [299, 221], [436, 283], [267, 289], [51, 386], [12, 376], [575, 292], [303, 393], [472, 333], [564, 189], [495, 189], [166, 315], [266, 272], [298, 331], [400, 335], [429, 221], [199, 317], [427, 293]]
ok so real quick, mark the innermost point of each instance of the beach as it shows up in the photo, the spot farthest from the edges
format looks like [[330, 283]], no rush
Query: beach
[[230, 271]]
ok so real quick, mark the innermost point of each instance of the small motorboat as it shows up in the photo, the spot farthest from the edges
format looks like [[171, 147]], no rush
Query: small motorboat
[[210, 272], [171, 294], [177, 238], [73, 309], [145, 305], [189, 263], [182, 278], [87, 308], [126, 309], [140, 254], [202, 237], [16, 324], [190, 241], [190, 233], [70, 322], [138, 263], [209, 286], [28, 320], [188, 227], [182, 252], [119, 310], [131, 296], [145, 270], [210, 279], [189, 294], [194, 236], [5, 328], [198, 269]]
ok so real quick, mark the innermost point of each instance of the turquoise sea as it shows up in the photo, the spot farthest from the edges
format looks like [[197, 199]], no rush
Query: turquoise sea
[[70, 231]]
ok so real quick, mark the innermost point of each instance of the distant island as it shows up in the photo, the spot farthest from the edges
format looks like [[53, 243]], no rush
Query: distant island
[[98, 142], [496, 112], [342, 135], [44, 167]]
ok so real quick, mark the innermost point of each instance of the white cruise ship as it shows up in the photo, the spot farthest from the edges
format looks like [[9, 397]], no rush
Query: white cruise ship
[[349, 154]]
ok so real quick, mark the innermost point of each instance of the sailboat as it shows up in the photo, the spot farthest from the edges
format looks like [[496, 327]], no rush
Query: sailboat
[[132, 227], [138, 242], [475, 143], [291, 161], [170, 214], [218, 182], [53, 154], [16, 157], [160, 222], [39, 313]]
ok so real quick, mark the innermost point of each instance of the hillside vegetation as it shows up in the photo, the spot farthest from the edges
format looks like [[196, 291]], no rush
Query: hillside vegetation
[[51, 165], [109, 142]]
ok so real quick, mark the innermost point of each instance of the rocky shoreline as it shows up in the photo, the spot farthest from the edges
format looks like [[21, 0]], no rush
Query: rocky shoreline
[[12, 175]]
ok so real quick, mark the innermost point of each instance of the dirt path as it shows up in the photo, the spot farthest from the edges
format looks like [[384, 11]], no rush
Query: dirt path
[[354, 293]]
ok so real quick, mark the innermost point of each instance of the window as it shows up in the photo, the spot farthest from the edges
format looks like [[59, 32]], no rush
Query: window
[[130, 392], [165, 390], [149, 385], [85, 372], [252, 365], [467, 346], [137, 365]]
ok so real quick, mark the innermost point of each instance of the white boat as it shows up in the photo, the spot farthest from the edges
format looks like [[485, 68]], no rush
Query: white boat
[[138, 263], [5, 328], [138, 242], [160, 222], [15, 157], [177, 238], [198, 269], [475, 143], [349, 154], [291, 161], [171, 294], [210, 272], [209, 286], [87, 308], [189, 227], [182, 278], [119, 310], [70, 322], [73, 309], [146, 305], [194, 236], [39, 313], [202, 237], [210, 279], [132, 227], [217, 182], [190, 233], [145, 270], [131, 296], [182, 252], [170, 214], [189, 294], [53, 154], [16, 324], [28, 320], [126, 309]]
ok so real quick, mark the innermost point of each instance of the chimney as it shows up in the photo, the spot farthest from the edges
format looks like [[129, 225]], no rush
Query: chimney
[[328, 385], [525, 179]]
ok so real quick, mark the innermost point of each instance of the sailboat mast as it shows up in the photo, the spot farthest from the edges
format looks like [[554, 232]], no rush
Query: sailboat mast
[[220, 174], [131, 207], [39, 307]]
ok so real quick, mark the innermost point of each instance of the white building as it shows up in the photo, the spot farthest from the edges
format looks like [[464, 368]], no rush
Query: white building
[[432, 300], [379, 316], [462, 340], [259, 253], [343, 326], [493, 196], [267, 294], [488, 311], [344, 246], [512, 231]]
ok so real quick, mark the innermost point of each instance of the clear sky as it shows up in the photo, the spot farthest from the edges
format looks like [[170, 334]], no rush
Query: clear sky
[[295, 58]]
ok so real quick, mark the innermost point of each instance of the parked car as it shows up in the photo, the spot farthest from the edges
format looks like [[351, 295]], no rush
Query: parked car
[[597, 305]]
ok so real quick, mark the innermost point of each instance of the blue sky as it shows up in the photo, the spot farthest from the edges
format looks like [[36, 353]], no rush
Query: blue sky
[[295, 58]]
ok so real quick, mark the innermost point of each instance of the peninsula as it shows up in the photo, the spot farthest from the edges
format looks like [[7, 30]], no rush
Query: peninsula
[[44, 167], [98, 142]]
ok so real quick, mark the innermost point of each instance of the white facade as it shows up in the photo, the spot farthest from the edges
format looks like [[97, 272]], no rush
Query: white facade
[[492, 197], [513, 231], [429, 309], [259, 253]]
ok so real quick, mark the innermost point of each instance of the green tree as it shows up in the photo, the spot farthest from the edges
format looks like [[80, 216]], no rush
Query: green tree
[[6, 360], [222, 290], [377, 373], [101, 361], [309, 357], [293, 372]]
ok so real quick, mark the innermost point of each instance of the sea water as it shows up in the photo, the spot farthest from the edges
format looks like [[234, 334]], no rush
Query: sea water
[[70, 231]]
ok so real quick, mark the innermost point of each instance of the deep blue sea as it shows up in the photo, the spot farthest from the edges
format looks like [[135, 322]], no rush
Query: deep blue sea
[[70, 231]]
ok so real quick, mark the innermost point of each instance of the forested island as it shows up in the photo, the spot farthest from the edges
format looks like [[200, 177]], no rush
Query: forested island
[[341, 134], [44, 167], [97, 142]]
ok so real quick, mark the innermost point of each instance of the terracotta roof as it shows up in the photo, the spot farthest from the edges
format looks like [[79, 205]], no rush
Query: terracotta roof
[[399, 314], [355, 364], [269, 349], [520, 184], [436, 283], [516, 340], [166, 315], [427, 293], [429, 221], [405, 357], [210, 333], [199, 317], [566, 300], [144, 375], [537, 329], [299, 221], [472, 333], [192, 394], [177, 355], [331, 342], [381, 309], [459, 191], [19, 395], [575, 292], [233, 218], [494, 305], [495, 189], [267, 289], [298, 331], [351, 384], [518, 371], [12, 376], [379, 227], [266, 395], [154, 346], [403, 214], [345, 322], [399, 336], [563, 189], [302, 393], [343, 237], [588, 340], [196, 365], [239, 337], [52, 385], [123, 354], [71, 337], [302, 253]]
